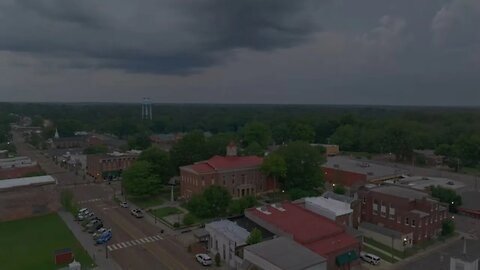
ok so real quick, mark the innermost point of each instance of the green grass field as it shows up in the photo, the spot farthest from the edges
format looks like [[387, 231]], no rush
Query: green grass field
[[146, 202], [166, 211], [30, 243]]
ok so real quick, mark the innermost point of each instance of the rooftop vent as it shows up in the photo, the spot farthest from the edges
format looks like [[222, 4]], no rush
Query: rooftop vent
[[279, 207], [264, 210]]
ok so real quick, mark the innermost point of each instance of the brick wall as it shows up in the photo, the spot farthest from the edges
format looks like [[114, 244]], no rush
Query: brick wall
[[239, 182], [345, 178], [397, 215], [24, 202]]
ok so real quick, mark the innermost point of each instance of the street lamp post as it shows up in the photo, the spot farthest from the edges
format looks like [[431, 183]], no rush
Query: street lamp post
[[404, 246]]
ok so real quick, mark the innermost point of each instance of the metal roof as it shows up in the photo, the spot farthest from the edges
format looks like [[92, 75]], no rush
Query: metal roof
[[27, 181], [338, 197], [286, 254], [339, 208], [230, 230]]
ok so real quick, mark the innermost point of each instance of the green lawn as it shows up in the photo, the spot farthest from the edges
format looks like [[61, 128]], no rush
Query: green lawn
[[146, 202], [31, 243], [166, 211]]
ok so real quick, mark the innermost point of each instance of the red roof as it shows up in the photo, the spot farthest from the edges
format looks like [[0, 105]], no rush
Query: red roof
[[219, 163], [315, 232], [333, 244]]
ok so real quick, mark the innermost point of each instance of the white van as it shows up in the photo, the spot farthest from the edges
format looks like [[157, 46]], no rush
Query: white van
[[370, 258]]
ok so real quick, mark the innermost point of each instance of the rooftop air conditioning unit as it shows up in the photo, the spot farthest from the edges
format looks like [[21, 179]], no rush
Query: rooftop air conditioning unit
[[264, 210], [279, 207]]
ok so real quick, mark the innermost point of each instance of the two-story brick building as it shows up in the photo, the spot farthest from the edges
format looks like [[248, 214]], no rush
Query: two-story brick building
[[240, 175], [109, 166], [404, 210]]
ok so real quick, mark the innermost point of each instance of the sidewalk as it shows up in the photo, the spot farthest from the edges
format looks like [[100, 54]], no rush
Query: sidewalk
[[96, 252], [427, 252], [387, 254]]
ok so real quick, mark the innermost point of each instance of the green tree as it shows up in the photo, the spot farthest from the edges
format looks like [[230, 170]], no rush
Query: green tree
[[303, 163], [468, 150], [399, 140], [281, 133], [345, 136], [139, 142], [448, 196], [274, 165], [257, 132], [218, 199], [298, 193], [302, 132], [255, 237], [216, 145], [191, 148], [448, 227], [254, 149], [340, 189], [160, 162], [139, 180], [188, 219], [213, 202], [238, 206]]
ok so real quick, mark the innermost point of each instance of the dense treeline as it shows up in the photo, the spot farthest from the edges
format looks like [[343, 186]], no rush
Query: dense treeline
[[453, 131]]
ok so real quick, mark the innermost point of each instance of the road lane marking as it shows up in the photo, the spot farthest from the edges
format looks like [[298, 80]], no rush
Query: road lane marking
[[134, 242]]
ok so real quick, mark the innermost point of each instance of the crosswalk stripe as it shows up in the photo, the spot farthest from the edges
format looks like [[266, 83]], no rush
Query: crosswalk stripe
[[143, 241], [123, 244], [128, 243], [110, 248], [114, 247], [150, 238], [137, 242], [156, 237]]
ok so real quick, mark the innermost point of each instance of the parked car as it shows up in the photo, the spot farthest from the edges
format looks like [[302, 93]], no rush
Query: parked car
[[137, 213], [99, 232], [95, 227], [370, 258], [104, 238], [204, 259], [92, 223], [85, 215], [89, 220], [104, 231], [124, 204], [82, 211]]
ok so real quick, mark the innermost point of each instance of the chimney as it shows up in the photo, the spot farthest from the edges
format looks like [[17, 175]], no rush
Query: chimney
[[231, 149]]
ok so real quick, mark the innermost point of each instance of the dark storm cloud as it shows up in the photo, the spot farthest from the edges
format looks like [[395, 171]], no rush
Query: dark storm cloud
[[167, 36]]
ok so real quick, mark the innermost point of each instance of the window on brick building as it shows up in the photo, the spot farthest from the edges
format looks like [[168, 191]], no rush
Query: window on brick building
[[407, 221], [375, 208], [364, 200], [413, 223], [391, 212], [383, 210], [399, 219]]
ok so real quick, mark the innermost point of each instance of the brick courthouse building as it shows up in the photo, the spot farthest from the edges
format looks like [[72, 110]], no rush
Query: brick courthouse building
[[240, 175]]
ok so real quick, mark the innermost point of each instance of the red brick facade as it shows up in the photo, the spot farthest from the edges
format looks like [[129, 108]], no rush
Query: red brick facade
[[240, 175], [421, 215], [101, 166], [345, 178]]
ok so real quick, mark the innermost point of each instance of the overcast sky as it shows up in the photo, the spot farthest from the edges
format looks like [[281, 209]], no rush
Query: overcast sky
[[396, 52]]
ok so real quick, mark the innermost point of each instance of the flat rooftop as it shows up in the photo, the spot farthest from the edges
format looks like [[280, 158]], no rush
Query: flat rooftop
[[314, 231], [423, 182], [339, 208], [230, 230], [285, 254], [373, 171], [401, 192], [27, 181]]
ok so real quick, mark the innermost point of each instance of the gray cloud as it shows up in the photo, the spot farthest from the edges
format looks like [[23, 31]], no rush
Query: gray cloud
[[166, 36], [262, 51]]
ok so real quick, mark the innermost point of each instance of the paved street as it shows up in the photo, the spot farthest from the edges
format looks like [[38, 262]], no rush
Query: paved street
[[163, 253]]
